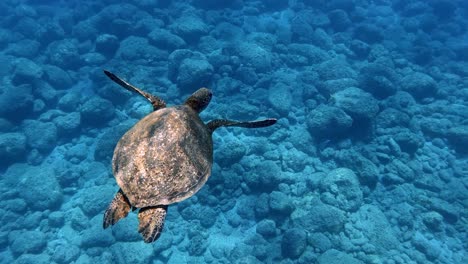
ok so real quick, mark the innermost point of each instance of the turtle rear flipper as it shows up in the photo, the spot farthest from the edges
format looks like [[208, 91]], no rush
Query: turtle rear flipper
[[155, 101], [118, 209], [151, 222], [214, 124]]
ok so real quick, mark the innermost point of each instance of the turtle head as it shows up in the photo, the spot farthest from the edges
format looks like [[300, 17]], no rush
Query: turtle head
[[199, 100]]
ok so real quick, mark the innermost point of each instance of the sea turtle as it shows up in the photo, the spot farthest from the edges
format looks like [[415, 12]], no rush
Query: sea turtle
[[164, 158]]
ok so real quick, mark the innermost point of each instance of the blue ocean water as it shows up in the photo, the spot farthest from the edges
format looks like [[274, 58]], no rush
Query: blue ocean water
[[366, 164]]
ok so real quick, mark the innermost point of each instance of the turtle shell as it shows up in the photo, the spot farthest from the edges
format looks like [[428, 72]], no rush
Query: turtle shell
[[164, 158]]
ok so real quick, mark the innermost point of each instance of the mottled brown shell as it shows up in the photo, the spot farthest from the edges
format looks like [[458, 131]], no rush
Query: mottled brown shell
[[165, 158]]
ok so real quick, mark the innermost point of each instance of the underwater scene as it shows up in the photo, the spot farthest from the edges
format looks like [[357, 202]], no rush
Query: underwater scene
[[242, 131]]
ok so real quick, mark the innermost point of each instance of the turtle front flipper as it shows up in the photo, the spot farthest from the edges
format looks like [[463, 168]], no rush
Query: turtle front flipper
[[151, 222], [214, 124], [118, 209], [155, 101]]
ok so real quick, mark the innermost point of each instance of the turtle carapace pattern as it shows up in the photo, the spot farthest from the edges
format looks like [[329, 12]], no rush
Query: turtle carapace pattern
[[164, 158]]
